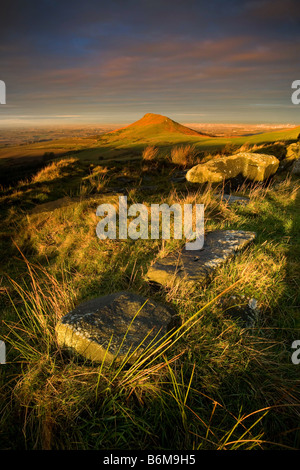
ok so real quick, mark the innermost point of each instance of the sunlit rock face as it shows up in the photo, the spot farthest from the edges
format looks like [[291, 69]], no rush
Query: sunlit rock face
[[291, 157], [113, 326], [197, 266], [252, 166], [293, 151]]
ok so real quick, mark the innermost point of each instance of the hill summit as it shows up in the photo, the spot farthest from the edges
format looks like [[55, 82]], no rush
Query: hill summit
[[154, 124]]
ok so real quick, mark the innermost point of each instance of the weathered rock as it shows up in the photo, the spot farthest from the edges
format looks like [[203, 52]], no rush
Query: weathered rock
[[293, 151], [252, 166], [179, 176], [244, 310], [292, 155], [105, 328], [296, 167], [196, 266], [178, 179], [230, 199]]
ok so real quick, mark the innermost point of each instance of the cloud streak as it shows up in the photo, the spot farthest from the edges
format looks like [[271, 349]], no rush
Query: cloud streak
[[72, 57]]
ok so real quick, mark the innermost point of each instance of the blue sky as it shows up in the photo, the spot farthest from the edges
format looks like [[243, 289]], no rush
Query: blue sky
[[194, 61]]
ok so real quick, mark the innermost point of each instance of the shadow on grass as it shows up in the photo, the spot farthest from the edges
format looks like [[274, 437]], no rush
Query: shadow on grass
[[270, 380], [266, 380]]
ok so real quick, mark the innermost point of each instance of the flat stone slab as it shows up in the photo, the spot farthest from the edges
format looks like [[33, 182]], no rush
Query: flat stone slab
[[196, 266], [230, 199], [105, 328]]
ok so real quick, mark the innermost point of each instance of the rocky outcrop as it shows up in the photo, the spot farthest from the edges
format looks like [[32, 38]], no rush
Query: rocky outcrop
[[112, 326], [194, 267], [251, 166]]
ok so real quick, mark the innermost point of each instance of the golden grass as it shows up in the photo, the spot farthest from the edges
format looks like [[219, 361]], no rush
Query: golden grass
[[67, 404], [183, 155], [150, 153], [53, 171]]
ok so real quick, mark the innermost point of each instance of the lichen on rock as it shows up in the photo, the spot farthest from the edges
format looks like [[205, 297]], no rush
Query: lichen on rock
[[113, 326]]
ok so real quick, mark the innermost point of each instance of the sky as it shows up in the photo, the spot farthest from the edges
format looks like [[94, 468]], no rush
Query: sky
[[95, 61]]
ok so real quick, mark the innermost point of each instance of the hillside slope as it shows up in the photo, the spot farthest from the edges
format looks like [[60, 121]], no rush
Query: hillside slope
[[155, 124]]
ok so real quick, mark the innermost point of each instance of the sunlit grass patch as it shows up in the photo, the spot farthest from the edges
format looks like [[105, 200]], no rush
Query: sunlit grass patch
[[150, 153], [53, 171], [183, 155]]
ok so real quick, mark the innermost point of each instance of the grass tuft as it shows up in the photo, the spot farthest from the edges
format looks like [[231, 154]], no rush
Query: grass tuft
[[183, 155]]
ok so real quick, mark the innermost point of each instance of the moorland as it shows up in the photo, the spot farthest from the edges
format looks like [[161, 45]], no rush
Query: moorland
[[221, 384]]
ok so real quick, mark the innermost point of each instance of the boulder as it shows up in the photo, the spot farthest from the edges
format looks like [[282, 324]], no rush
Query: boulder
[[252, 166], [296, 167], [108, 327], [194, 267], [292, 155], [293, 151]]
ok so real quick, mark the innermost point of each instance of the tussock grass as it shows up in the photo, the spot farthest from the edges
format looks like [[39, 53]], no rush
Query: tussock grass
[[215, 384], [150, 153], [183, 155], [53, 171], [54, 392]]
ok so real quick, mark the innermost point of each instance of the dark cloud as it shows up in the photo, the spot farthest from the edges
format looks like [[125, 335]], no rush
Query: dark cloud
[[73, 56]]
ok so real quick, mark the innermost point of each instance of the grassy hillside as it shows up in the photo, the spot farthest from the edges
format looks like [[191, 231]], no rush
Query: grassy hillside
[[19, 161], [128, 143], [131, 144], [221, 385], [153, 124], [164, 133]]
